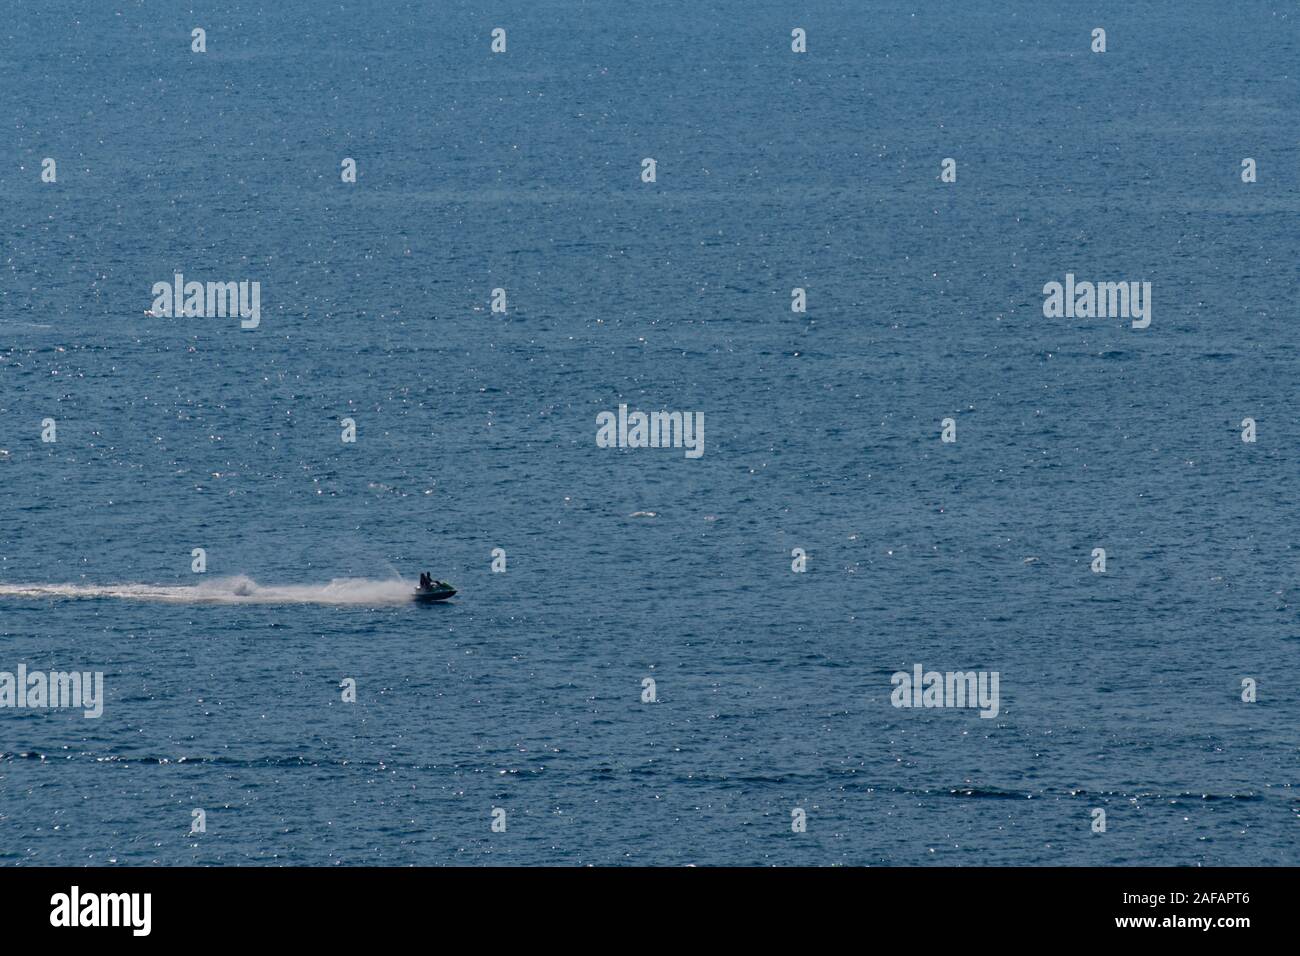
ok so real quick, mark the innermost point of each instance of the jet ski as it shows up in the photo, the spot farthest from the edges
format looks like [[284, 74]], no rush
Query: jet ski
[[437, 591]]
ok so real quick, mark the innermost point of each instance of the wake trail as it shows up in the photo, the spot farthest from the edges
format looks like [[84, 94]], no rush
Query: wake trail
[[365, 592]]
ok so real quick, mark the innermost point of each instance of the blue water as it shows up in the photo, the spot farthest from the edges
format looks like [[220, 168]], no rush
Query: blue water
[[475, 431]]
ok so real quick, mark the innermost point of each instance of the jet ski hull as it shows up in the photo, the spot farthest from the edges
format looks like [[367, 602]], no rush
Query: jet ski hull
[[433, 596]]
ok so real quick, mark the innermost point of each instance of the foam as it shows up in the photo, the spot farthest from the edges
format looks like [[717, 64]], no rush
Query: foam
[[239, 589]]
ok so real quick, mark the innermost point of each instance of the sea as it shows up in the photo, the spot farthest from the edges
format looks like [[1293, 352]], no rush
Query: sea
[[653, 658]]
